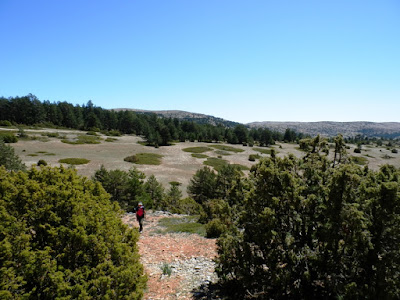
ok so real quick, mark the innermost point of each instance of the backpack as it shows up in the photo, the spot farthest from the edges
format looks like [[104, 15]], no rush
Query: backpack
[[140, 212]]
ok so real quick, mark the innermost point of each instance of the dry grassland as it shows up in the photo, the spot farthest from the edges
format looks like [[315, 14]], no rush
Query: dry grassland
[[177, 165]]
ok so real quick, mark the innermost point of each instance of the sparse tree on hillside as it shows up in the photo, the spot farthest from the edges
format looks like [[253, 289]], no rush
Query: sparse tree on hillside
[[241, 133], [202, 186], [9, 159], [155, 191], [340, 150], [174, 194]]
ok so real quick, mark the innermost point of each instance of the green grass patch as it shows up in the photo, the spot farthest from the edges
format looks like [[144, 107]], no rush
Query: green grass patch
[[32, 154], [74, 161], [110, 140], [199, 155], [83, 139], [166, 269], [222, 152], [43, 139], [264, 151], [50, 134], [359, 160], [94, 133], [144, 159], [143, 143], [197, 149], [186, 224], [112, 133], [216, 163], [227, 148], [43, 153]]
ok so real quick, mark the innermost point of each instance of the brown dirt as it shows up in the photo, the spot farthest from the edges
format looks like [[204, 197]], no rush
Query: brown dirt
[[172, 249]]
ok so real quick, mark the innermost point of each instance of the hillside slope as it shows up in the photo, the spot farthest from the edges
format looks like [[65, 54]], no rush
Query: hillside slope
[[324, 128], [347, 129], [185, 115]]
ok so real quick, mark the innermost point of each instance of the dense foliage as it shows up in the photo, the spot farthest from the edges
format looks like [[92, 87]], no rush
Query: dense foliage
[[129, 188], [61, 238], [306, 228], [314, 229], [220, 195], [29, 110]]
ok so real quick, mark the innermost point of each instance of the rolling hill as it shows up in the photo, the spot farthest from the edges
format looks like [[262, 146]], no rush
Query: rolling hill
[[347, 129], [184, 115], [325, 128]]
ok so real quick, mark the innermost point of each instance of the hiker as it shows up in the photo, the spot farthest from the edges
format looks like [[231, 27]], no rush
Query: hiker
[[140, 214]]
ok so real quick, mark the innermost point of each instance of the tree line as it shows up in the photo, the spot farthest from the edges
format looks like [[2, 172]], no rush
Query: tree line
[[29, 110]]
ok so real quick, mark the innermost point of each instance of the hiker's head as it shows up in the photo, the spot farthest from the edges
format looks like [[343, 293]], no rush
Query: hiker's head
[[140, 204]]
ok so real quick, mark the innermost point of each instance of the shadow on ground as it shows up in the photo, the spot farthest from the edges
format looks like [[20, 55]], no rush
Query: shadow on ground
[[210, 291]]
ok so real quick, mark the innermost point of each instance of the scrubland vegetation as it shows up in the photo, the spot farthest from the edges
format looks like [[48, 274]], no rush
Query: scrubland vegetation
[[61, 238], [321, 225]]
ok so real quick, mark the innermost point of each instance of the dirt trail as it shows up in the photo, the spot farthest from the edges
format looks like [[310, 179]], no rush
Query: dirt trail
[[188, 256]]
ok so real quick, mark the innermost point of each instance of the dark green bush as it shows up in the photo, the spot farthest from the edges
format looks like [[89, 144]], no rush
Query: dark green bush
[[310, 229], [215, 228], [5, 123], [41, 162], [253, 157], [185, 206], [94, 129], [62, 238], [113, 133], [127, 188], [131, 159], [8, 137]]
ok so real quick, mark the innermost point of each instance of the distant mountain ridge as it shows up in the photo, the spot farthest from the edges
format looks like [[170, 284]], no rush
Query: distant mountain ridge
[[184, 115], [324, 128], [329, 128]]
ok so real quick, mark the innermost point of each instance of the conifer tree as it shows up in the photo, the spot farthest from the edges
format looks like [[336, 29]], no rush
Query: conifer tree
[[61, 238]]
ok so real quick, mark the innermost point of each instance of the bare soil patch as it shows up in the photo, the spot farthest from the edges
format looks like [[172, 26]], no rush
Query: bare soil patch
[[189, 256]]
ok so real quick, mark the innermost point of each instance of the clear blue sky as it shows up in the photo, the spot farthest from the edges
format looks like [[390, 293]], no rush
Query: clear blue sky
[[247, 60]]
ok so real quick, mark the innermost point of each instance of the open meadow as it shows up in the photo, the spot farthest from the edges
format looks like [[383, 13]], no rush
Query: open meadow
[[177, 163]]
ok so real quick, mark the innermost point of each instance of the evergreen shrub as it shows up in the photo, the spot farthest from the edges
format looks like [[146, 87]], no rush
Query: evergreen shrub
[[62, 238]]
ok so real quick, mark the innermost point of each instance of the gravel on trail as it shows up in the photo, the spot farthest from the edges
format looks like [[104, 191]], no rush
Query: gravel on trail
[[188, 258]]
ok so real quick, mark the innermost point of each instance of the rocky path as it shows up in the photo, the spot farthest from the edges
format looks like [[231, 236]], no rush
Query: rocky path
[[188, 258]]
